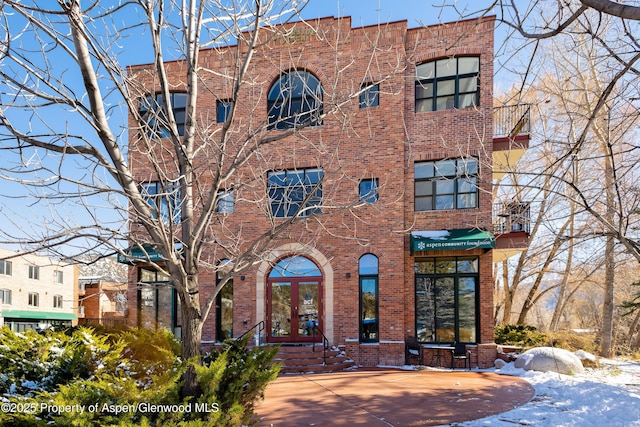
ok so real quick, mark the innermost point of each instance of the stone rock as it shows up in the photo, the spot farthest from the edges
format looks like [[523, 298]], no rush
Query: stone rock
[[499, 363], [546, 359]]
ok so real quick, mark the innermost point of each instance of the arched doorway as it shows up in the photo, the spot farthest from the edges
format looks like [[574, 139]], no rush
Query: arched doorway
[[294, 300]]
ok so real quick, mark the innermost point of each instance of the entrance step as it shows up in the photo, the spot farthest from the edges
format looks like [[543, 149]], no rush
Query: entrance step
[[302, 359]]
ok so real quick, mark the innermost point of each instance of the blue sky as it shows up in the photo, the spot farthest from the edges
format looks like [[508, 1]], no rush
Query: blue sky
[[368, 12], [15, 207]]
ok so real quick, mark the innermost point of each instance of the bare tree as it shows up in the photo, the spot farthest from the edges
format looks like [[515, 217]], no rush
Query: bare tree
[[591, 57], [69, 104]]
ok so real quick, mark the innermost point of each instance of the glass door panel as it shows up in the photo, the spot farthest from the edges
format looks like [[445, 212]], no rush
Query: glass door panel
[[281, 309], [308, 308]]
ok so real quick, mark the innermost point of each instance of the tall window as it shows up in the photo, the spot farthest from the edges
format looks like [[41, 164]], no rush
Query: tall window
[[5, 296], [226, 201], [158, 305], [34, 272], [57, 301], [223, 109], [34, 299], [370, 97], [446, 299], [296, 192], [224, 304], [5, 267], [294, 99], [151, 109], [448, 83], [368, 190], [59, 276], [368, 278], [164, 200], [446, 184]]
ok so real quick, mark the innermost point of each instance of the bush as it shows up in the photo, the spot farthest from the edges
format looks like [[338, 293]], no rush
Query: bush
[[246, 375], [80, 378], [573, 341], [520, 335]]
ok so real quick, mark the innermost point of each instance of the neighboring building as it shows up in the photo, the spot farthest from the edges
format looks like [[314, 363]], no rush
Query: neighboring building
[[102, 293], [36, 292], [419, 149]]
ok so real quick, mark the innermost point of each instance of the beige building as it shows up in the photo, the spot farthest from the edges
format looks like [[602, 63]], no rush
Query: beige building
[[36, 292]]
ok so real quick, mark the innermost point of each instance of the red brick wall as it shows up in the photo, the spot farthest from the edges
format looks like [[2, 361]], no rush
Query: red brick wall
[[352, 144]]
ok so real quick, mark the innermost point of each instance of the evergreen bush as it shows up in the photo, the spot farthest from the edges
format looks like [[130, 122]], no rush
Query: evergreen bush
[[519, 335], [125, 378]]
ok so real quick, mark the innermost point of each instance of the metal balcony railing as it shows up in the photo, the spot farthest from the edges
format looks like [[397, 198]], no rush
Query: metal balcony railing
[[511, 120], [512, 217]]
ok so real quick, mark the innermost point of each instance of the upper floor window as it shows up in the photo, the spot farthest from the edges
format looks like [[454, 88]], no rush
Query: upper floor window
[[446, 184], [151, 108], [164, 200], [296, 192], [370, 97], [59, 276], [5, 267], [34, 272], [448, 83], [34, 299], [5, 296], [223, 109], [226, 201], [295, 99], [57, 301], [368, 190]]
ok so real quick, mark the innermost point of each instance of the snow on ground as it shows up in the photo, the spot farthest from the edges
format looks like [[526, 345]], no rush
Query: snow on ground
[[606, 396]]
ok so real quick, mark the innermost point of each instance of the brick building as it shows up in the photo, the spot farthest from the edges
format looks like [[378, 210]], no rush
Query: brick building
[[417, 152]]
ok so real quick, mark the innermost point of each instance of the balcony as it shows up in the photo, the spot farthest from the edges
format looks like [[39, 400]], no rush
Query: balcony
[[511, 226], [511, 127]]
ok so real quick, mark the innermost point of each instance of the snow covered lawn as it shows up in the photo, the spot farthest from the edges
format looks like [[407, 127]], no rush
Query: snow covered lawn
[[606, 396]]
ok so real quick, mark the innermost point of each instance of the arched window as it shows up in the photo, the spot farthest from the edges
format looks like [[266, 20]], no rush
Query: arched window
[[294, 99], [295, 266], [368, 278]]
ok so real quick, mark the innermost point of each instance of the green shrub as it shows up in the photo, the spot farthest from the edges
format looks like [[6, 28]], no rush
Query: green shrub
[[115, 379], [520, 335], [247, 373]]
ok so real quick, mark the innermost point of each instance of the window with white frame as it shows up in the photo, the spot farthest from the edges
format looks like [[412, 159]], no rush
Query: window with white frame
[[34, 299], [5, 296], [57, 301], [34, 272], [5, 267]]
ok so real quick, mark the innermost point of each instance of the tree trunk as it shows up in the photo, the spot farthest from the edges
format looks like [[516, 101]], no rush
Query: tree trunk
[[191, 351], [608, 305], [508, 297]]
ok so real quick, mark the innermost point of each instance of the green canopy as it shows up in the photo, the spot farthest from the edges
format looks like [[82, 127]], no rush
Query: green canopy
[[39, 315], [135, 254], [443, 240]]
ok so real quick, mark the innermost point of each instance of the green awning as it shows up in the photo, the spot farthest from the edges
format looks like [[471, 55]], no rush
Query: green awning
[[135, 254], [38, 315], [444, 240]]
